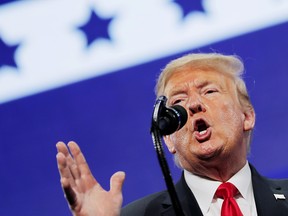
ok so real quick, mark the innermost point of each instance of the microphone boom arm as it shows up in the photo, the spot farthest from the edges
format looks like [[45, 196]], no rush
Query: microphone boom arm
[[156, 137]]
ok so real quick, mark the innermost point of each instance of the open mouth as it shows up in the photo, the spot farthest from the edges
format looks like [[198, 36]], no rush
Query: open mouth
[[201, 126], [202, 130]]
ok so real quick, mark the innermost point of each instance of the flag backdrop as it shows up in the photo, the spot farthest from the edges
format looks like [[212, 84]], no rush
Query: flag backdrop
[[85, 71]]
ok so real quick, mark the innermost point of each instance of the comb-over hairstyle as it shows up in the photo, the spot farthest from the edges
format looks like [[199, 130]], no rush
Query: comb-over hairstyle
[[227, 64]]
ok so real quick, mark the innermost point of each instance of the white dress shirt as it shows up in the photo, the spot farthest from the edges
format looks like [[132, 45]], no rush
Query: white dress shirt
[[204, 191]]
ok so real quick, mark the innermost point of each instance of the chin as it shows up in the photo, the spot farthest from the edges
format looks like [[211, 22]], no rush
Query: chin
[[210, 154]]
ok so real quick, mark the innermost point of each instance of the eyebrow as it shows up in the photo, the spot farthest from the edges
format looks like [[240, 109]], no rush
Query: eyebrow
[[197, 84], [177, 92], [181, 90], [202, 83]]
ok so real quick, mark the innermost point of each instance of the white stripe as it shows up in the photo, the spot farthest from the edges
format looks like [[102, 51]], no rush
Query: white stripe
[[52, 52]]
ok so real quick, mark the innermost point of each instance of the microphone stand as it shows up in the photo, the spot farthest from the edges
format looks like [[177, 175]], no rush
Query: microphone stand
[[156, 137]]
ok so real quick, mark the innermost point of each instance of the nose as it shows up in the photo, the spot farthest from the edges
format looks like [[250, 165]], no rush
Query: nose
[[196, 106], [195, 109]]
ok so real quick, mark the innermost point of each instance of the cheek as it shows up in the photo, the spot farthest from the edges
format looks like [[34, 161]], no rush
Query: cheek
[[180, 139], [232, 118]]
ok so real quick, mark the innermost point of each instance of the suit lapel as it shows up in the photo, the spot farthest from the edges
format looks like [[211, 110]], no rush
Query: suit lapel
[[188, 202], [264, 191]]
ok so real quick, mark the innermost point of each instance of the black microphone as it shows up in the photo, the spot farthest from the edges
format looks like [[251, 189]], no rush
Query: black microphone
[[172, 119], [168, 119], [165, 121]]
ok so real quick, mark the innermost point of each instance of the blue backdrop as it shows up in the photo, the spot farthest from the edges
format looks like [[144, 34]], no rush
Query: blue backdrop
[[109, 113]]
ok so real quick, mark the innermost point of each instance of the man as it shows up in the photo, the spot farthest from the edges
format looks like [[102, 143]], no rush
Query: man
[[211, 149]]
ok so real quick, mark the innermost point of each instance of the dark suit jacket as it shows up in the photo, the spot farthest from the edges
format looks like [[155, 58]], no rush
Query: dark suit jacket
[[264, 189]]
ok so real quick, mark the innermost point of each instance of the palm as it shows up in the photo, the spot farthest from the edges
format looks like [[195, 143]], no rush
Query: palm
[[84, 194]]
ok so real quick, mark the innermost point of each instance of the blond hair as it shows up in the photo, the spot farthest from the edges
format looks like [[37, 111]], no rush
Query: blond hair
[[227, 64]]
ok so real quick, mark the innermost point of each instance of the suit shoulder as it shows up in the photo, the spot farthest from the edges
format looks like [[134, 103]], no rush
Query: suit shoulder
[[279, 182], [274, 183], [139, 207]]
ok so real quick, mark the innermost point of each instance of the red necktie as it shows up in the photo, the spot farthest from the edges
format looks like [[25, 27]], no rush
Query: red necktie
[[227, 191]]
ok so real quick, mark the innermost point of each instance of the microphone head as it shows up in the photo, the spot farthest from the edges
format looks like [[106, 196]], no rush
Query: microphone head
[[172, 119]]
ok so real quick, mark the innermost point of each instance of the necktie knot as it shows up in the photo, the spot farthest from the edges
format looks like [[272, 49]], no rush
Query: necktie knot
[[226, 190]]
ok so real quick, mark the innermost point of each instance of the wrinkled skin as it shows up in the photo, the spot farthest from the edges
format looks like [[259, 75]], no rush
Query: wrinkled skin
[[211, 96]]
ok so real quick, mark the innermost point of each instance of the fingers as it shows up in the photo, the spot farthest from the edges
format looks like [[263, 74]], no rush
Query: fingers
[[62, 165], [78, 183], [61, 147], [82, 166], [77, 169], [65, 164], [116, 182], [66, 179]]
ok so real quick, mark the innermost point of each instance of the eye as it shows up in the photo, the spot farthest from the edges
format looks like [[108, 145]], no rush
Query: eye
[[177, 101], [211, 91]]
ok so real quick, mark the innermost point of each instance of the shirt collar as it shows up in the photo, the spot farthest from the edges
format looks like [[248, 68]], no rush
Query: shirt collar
[[242, 180], [204, 189]]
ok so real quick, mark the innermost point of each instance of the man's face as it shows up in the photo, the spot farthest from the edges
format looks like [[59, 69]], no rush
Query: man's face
[[217, 125]]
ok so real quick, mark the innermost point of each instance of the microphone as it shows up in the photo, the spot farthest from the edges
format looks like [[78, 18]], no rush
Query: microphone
[[165, 121], [168, 119]]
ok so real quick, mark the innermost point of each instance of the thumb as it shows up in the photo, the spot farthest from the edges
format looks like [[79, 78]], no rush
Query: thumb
[[116, 182]]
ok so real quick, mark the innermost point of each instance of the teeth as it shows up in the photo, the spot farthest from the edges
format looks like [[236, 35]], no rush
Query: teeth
[[202, 132]]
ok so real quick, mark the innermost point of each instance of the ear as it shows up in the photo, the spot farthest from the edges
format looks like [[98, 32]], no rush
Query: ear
[[249, 119], [169, 143]]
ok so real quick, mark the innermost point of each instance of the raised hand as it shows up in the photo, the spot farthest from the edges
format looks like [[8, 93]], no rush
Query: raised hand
[[84, 194]]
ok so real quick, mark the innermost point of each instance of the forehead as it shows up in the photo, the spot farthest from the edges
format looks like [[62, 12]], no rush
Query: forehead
[[187, 77]]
